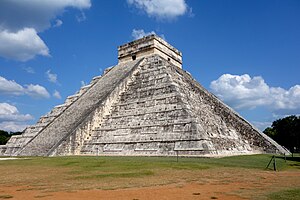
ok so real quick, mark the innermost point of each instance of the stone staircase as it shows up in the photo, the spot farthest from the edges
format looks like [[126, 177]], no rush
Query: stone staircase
[[17, 142], [76, 111], [149, 117], [164, 110]]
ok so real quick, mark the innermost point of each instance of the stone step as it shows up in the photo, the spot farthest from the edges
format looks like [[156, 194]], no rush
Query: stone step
[[95, 79], [134, 126], [153, 139], [143, 100], [83, 89], [57, 110], [54, 134], [136, 111]]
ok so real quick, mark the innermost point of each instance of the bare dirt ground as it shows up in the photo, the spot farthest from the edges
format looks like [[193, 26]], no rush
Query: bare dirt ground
[[222, 184]]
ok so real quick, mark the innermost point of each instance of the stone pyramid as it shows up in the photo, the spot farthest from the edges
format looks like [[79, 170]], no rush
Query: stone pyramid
[[145, 105]]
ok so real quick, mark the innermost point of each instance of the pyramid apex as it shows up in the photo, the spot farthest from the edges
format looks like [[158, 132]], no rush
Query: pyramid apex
[[149, 45]]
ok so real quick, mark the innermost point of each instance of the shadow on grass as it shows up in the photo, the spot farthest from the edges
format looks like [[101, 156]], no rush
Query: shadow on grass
[[293, 162], [296, 159], [290, 158]]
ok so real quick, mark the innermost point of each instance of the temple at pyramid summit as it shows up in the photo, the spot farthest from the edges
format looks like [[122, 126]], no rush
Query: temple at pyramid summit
[[146, 105]]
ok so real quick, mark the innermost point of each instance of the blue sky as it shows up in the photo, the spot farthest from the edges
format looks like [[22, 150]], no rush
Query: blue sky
[[245, 52]]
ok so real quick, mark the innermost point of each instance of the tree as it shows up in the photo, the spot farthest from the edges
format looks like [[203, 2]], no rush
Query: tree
[[286, 131], [5, 136]]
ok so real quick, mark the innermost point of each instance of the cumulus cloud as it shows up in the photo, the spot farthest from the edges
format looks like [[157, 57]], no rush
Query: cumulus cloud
[[51, 77], [10, 87], [11, 119], [139, 33], [13, 126], [56, 94], [245, 92], [10, 113], [22, 45], [20, 21], [15, 14], [36, 91], [161, 9]]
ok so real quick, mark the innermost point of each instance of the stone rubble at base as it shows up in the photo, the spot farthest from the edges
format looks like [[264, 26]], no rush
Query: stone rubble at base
[[146, 105]]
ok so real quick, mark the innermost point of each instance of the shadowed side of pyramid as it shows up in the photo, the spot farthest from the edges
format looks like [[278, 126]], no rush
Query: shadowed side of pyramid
[[227, 132]]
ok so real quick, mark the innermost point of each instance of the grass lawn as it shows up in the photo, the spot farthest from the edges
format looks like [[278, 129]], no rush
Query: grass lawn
[[246, 173]]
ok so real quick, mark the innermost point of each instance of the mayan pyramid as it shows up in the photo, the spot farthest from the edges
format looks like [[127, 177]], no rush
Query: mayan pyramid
[[145, 105]]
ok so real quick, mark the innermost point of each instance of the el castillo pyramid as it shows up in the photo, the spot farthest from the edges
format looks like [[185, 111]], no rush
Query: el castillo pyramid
[[145, 105]]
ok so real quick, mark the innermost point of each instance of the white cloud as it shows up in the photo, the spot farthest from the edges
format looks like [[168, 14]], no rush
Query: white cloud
[[139, 33], [11, 119], [22, 45], [10, 87], [56, 94], [6, 109], [10, 113], [51, 77], [83, 83], [58, 23], [16, 15], [244, 92], [261, 125], [36, 91], [13, 126], [161, 9], [20, 21]]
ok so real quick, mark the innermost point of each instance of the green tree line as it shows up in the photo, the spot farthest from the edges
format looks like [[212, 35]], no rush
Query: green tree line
[[286, 132], [4, 136]]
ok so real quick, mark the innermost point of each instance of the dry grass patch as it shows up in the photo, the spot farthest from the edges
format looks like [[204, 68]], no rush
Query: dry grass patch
[[240, 176]]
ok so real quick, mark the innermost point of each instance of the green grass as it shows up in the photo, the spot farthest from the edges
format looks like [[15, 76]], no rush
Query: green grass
[[69, 173], [290, 194], [119, 164]]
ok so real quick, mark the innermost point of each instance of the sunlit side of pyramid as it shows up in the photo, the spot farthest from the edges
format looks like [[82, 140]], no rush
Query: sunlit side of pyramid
[[145, 105]]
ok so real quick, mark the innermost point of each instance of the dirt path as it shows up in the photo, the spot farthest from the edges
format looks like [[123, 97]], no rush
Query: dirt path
[[187, 191], [245, 184]]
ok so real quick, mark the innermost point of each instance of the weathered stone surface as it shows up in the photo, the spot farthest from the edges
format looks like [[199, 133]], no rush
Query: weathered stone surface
[[145, 105], [16, 143], [149, 45], [73, 116], [163, 111]]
